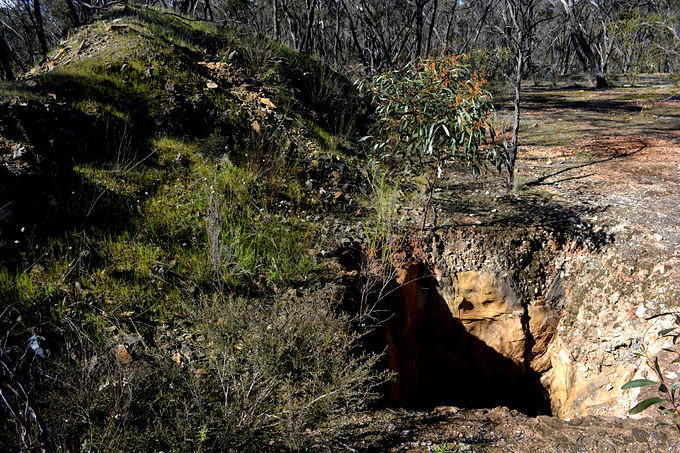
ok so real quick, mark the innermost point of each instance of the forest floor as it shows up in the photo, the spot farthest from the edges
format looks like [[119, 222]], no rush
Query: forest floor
[[608, 158]]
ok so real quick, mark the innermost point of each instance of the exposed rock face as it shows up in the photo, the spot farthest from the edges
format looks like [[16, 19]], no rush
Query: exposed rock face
[[509, 318], [490, 310], [467, 342], [609, 298]]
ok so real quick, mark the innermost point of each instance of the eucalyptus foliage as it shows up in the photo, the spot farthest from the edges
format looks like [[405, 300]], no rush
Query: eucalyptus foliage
[[433, 111], [669, 402], [430, 113]]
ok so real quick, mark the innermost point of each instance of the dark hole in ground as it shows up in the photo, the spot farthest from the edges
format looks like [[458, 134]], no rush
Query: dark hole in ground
[[438, 362]]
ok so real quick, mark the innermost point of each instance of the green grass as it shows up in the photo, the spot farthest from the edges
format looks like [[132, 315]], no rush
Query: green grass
[[167, 227]]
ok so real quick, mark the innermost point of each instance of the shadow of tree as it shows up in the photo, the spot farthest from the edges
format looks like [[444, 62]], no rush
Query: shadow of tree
[[526, 211], [544, 101], [542, 180]]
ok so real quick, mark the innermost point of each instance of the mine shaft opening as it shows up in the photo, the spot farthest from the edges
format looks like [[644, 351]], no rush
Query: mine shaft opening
[[469, 347]]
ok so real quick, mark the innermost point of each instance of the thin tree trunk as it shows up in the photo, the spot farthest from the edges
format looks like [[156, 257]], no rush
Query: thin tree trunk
[[6, 59], [432, 24], [512, 152], [293, 25], [40, 29], [353, 31], [307, 44], [73, 13], [336, 40], [275, 20], [419, 27], [207, 10]]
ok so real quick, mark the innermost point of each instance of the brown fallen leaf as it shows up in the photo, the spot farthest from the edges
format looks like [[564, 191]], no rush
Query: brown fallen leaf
[[256, 127]]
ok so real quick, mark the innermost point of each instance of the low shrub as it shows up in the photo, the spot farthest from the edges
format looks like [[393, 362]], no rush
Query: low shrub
[[247, 375]]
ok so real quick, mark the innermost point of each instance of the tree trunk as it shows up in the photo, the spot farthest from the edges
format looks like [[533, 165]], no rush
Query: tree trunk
[[73, 13], [293, 24], [582, 47], [336, 38], [420, 4], [512, 152], [6, 59], [432, 25], [275, 21], [207, 10], [307, 44], [590, 63], [40, 29], [353, 32]]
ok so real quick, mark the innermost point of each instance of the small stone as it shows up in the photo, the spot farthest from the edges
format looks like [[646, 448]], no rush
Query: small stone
[[211, 85], [609, 387], [122, 355]]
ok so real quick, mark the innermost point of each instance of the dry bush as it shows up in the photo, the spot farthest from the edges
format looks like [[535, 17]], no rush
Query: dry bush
[[247, 375], [20, 371]]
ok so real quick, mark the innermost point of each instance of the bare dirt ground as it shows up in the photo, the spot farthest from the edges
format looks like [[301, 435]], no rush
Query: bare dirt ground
[[619, 148], [617, 151], [499, 430]]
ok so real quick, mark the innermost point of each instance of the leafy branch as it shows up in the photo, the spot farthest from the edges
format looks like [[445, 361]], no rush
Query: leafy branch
[[432, 112], [669, 391]]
